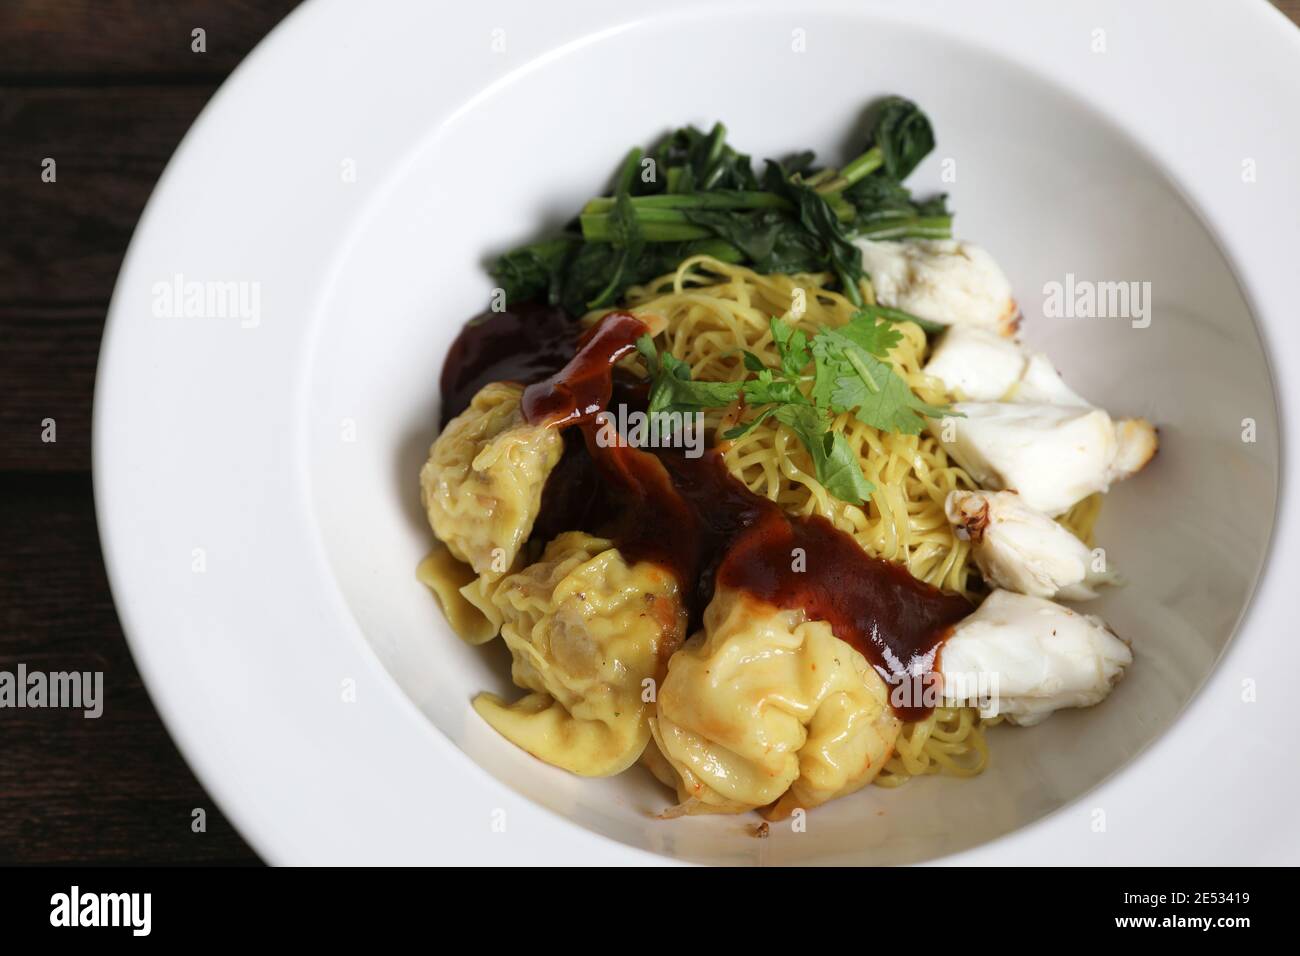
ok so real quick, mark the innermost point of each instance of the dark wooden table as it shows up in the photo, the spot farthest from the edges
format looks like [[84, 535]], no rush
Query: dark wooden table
[[106, 88]]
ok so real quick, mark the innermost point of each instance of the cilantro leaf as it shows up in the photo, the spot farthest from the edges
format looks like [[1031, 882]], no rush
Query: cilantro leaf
[[739, 431], [864, 331], [851, 378], [671, 386], [833, 459], [766, 388], [791, 345], [851, 374]]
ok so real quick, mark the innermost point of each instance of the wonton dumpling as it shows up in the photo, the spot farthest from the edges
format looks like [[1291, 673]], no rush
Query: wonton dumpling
[[482, 485], [586, 631], [765, 707], [455, 585]]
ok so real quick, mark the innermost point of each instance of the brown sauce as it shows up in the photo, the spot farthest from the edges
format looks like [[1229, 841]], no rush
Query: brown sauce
[[523, 344], [691, 516], [582, 388]]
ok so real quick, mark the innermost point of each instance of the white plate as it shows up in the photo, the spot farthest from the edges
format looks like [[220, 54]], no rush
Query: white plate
[[255, 473]]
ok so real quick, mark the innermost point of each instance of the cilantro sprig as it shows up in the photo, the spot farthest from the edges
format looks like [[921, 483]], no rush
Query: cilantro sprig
[[849, 371], [854, 375], [671, 386]]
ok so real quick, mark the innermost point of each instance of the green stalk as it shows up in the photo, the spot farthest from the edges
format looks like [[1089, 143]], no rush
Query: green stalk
[[719, 199], [657, 225], [629, 170], [718, 248], [863, 165], [818, 179], [664, 208], [713, 166], [852, 291], [842, 208], [911, 227]]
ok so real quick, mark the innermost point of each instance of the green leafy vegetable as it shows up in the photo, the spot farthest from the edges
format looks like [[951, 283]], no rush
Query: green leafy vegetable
[[695, 194], [904, 136], [817, 219], [536, 271]]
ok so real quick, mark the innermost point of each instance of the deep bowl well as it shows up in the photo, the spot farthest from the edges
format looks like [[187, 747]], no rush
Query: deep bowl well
[[1037, 177]]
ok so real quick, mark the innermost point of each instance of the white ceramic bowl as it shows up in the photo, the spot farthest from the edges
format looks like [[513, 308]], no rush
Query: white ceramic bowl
[[256, 479]]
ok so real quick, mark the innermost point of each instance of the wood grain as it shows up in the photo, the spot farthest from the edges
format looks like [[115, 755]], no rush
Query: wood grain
[[86, 42], [65, 239], [49, 373]]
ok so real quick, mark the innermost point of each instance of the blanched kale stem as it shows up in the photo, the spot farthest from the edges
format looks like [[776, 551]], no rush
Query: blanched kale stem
[[671, 225], [907, 227], [865, 164]]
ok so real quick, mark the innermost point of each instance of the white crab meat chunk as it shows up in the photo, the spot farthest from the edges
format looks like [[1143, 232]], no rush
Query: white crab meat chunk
[[1024, 550], [1042, 383], [983, 366], [1053, 455], [1026, 657], [943, 280]]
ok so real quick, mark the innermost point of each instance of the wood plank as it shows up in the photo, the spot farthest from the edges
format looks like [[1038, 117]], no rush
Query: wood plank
[[76, 40], [112, 789], [91, 40], [65, 239], [47, 364]]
